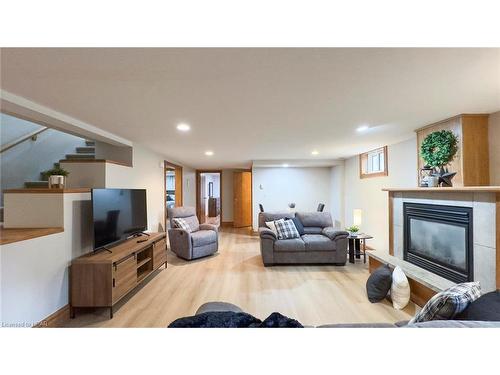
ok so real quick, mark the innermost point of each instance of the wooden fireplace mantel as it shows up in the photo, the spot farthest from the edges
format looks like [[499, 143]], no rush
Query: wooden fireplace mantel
[[459, 189]]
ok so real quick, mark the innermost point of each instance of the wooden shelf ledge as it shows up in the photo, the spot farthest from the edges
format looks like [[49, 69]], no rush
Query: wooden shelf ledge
[[11, 235], [462, 189], [47, 191], [94, 161]]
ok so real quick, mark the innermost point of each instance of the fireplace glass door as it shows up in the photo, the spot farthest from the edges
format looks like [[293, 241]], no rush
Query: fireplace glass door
[[439, 239]]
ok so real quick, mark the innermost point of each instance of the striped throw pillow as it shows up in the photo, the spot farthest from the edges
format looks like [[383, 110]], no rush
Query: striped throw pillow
[[449, 303], [286, 229], [181, 224]]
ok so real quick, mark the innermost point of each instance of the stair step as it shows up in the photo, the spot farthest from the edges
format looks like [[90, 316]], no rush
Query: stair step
[[90, 143], [36, 184], [85, 150], [80, 156]]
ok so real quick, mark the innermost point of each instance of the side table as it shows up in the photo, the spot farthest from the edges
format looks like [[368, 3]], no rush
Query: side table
[[357, 245]]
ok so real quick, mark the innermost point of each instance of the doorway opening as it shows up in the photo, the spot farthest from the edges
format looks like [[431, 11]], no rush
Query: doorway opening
[[209, 196], [172, 187]]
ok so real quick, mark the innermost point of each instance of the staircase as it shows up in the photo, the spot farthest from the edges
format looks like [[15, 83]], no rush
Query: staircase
[[86, 152]]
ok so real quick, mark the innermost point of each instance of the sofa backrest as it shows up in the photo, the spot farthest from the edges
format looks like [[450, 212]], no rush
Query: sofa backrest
[[187, 213], [271, 216], [315, 219]]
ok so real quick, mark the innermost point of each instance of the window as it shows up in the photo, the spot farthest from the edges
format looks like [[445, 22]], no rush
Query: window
[[373, 163]]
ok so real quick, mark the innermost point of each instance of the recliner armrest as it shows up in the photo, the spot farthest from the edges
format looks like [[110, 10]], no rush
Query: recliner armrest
[[334, 234], [209, 227], [267, 233]]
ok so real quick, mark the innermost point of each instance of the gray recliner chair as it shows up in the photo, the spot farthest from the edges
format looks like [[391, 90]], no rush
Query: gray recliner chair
[[201, 242]]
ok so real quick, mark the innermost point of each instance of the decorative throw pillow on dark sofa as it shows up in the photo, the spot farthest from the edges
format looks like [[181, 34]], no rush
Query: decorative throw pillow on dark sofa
[[298, 225], [485, 308], [379, 284], [448, 303]]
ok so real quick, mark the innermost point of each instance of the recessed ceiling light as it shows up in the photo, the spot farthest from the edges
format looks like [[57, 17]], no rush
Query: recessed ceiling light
[[183, 127], [314, 152], [209, 153], [285, 165], [362, 128]]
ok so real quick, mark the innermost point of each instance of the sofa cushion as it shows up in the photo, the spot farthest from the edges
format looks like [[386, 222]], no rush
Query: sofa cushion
[[315, 219], [313, 230], [379, 284], [286, 229], [400, 289], [318, 242], [203, 237], [485, 308], [217, 306], [273, 216], [295, 244], [448, 303]]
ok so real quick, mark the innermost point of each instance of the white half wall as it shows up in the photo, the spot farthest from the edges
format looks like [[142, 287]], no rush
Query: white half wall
[[35, 273], [275, 188], [367, 193]]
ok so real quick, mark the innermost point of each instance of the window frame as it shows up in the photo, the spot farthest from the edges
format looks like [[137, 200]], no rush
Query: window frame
[[363, 164]]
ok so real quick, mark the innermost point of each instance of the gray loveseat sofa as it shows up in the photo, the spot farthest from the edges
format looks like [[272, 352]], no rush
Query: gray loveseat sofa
[[321, 243], [201, 242]]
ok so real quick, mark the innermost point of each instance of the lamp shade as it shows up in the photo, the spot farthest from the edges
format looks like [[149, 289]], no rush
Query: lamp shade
[[357, 217]]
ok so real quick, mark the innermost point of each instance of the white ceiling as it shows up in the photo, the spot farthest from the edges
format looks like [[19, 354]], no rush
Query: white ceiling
[[257, 104]]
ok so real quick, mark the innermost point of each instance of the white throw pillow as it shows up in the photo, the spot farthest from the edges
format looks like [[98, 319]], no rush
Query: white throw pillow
[[400, 289], [270, 225]]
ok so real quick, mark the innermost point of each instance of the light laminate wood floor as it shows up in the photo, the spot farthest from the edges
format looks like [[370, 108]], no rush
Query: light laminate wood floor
[[313, 295]]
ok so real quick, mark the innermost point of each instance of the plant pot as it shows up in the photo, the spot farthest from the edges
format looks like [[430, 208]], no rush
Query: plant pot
[[353, 234], [57, 182]]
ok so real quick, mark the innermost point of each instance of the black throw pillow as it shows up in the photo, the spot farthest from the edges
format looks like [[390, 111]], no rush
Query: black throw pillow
[[276, 320], [485, 308], [217, 319], [379, 284], [298, 225]]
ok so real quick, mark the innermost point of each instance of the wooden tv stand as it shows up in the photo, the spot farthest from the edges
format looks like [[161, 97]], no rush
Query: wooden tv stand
[[102, 279]]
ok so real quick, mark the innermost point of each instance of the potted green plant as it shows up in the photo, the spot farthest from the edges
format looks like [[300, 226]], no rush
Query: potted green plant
[[56, 177], [438, 150], [353, 230]]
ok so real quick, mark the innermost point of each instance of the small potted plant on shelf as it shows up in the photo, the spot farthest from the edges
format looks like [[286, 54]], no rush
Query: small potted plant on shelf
[[56, 177], [438, 150], [353, 230]]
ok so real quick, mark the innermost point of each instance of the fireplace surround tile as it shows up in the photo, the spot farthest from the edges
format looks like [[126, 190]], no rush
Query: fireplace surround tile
[[484, 267], [484, 220]]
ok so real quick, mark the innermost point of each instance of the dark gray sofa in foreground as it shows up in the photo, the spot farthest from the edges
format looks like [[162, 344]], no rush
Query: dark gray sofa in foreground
[[321, 243], [225, 306], [201, 242]]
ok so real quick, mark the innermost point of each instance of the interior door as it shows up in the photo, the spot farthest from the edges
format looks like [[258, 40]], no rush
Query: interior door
[[242, 196]]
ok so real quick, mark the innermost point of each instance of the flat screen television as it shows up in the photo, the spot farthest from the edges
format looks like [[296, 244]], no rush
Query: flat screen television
[[117, 214]]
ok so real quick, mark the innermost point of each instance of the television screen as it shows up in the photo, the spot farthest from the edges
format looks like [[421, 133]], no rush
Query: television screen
[[117, 214]]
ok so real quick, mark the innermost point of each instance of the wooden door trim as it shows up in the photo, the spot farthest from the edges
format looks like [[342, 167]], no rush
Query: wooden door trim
[[178, 169], [198, 180]]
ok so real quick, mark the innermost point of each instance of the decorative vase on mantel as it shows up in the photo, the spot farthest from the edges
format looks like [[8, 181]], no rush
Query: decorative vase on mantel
[[57, 182]]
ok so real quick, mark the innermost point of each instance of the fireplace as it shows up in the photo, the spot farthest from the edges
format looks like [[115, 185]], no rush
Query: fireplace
[[439, 239]]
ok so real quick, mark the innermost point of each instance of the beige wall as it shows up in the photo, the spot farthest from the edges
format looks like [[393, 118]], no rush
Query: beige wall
[[494, 146], [367, 193], [275, 188], [147, 173], [227, 195]]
